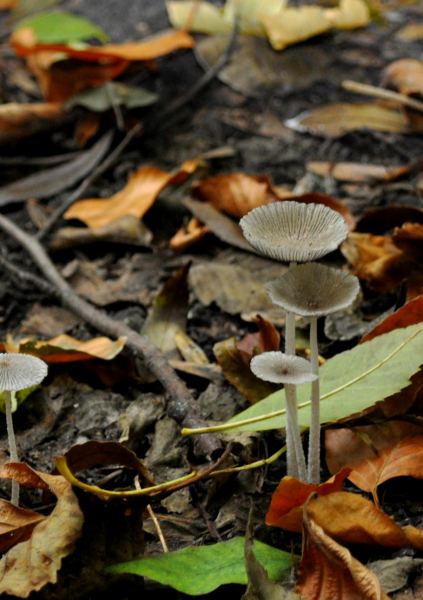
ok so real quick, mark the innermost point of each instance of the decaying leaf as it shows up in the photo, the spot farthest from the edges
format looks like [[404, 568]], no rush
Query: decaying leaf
[[31, 564], [186, 236], [16, 524], [238, 373], [135, 199], [335, 120], [55, 179], [168, 314], [384, 218], [293, 25], [409, 314], [411, 32], [112, 94], [23, 120], [64, 348], [286, 507], [406, 75], [357, 172], [376, 453], [7, 4], [328, 570], [266, 339]]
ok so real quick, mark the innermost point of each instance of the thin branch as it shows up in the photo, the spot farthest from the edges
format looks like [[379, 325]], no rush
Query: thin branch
[[181, 405], [382, 93]]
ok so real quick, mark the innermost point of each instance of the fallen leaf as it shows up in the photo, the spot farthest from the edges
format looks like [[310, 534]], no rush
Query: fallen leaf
[[254, 69], [410, 32], [168, 314], [235, 193], [384, 218], [186, 236], [135, 199], [56, 179], [64, 348], [328, 570], [394, 573], [239, 374], [352, 519], [409, 238], [376, 453], [357, 172], [350, 382], [105, 97], [330, 201], [47, 321], [286, 507], [335, 120], [350, 14], [406, 75], [60, 26], [23, 120], [16, 524], [7, 4], [198, 570], [266, 339], [202, 17], [293, 25], [409, 314], [33, 563]]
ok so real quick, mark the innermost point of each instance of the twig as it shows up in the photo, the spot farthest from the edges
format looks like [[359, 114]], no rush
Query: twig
[[102, 167], [181, 405], [383, 93], [158, 528]]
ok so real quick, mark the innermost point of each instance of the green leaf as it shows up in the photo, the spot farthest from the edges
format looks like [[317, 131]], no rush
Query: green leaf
[[201, 569], [351, 381], [110, 94], [55, 27]]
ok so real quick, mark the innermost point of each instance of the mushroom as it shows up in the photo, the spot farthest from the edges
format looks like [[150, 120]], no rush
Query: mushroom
[[314, 290], [17, 372], [290, 370], [292, 232]]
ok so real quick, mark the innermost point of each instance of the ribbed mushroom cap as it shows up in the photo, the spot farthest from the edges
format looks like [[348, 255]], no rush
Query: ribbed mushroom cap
[[282, 368], [20, 371], [313, 290], [294, 231]]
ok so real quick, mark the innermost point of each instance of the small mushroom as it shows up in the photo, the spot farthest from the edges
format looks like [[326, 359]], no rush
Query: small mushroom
[[17, 372], [292, 231], [314, 290], [290, 370]]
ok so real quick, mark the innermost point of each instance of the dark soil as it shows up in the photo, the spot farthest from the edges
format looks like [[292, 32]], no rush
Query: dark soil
[[85, 401]]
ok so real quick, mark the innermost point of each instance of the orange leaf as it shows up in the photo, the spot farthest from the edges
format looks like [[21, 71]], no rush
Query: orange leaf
[[329, 571], [16, 524], [350, 518], [135, 199], [33, 563], [409, 314], [22, 120], [266, 339], [186, 236], [287, 503], [376, 453], [7, 4]]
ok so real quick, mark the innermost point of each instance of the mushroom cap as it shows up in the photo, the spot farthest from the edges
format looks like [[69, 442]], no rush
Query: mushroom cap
[[20, 371], [313, 290], [278, 367], [294, 231]]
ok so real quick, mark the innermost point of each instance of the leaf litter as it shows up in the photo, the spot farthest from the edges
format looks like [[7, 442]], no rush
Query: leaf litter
[[225, 293]]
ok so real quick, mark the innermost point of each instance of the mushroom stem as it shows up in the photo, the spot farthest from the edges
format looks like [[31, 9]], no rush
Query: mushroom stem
[[296, 466], [314, 434], [13, 451]]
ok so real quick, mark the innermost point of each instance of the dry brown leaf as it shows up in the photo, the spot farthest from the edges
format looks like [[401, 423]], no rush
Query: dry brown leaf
[[32, 564], [410, 32], [330, 201], [329, 571], [376, 453], [335, 120], [266, 339], [63, 348], [135, 199], [406, 75], [239, 374], [409, 237], [286, 507], [384, 218], [357, 172], [189, 235], [236, 193], [22, 120], [409, 314], [16, 524], [7, 4], [292, 25]]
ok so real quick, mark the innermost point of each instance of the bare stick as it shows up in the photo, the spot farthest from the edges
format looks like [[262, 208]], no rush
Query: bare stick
[[383, 93], [181, 405]]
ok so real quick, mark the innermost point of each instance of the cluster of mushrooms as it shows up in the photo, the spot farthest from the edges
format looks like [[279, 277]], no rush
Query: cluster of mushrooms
[[296, 232], [17, 372]]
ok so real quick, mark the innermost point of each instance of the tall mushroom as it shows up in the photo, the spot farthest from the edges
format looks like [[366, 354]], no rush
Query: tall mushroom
[[314, 290], [17, 372], [293, 232]]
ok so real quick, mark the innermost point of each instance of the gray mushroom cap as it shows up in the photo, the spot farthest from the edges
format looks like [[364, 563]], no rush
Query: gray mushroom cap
[[313, 290], [278, 367], [20, 371], [292, 231]]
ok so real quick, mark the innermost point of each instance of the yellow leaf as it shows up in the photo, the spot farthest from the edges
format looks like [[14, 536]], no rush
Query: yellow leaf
[[350, 14], [293, 25]]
